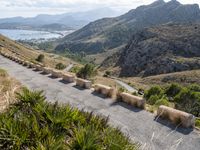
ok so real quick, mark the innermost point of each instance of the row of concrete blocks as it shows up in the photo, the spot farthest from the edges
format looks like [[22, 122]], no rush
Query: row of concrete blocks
[[54, 73], [175, 116]]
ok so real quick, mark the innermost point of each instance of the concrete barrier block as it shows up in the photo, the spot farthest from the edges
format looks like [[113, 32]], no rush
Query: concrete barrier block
[[56, 73], [176, 116], [38, 68], [68, 77], [133, 100], [47, 70], [105, 90], [83, 83]]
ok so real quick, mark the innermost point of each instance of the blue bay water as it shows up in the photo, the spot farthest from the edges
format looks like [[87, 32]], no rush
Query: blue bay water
[[28, 34]]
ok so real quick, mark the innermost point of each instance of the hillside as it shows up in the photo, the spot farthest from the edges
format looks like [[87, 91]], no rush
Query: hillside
[[183, 78], [31, 54], [159, 50], [111, 33]]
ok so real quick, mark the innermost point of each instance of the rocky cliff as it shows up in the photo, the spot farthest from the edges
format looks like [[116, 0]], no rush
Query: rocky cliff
[[158, 50]]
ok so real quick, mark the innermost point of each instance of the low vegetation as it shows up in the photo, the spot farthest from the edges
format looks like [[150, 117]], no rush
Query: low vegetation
[[87, 71], [40, 58], [60, 66], [8, 87], [32, 123], [183, 98]]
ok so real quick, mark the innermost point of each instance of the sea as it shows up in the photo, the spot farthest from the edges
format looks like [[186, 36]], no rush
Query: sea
[[29, 35]]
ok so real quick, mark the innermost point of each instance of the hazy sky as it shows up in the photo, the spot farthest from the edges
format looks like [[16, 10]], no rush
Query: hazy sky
[[27, 8]]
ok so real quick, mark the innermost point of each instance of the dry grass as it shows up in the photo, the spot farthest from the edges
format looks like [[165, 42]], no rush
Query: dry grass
[[105, 81], [183, 78], [29, 54], [8, 88]]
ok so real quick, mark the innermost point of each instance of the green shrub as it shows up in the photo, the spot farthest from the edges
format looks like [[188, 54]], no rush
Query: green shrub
[[60, 66], [194, 87], [162, 101], [155, 90], [173, 90], [87, 71], [197, 123], [75, 69], [32, 123], [153, 99], [3, 73], [188, 101], [122, 89], [40, 58]]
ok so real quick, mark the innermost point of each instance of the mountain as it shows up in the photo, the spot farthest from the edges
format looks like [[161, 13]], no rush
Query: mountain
[[110, 33], [73, 20], [159, 50]]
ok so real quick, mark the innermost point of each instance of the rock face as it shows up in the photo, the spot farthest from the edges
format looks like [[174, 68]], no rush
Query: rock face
[[109, 33], [161, 49]]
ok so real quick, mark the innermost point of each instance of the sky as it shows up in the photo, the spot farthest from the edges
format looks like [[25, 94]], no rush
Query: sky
[[30, 8]]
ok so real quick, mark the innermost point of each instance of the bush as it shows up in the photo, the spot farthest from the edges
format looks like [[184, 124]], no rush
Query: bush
[[197, 123], [153, 99], [3, 73], [32, 123], [60, 66], [107, 74], [40, 58], [173, 90], [87, 71], [156, 90], [194, 87], [189, 101], [162, 101], [75, 69]]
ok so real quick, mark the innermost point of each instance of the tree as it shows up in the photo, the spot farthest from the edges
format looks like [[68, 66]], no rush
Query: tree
[[40, 58], [87, 71]]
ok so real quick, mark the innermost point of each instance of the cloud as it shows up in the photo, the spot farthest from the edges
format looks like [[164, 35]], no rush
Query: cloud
[[34, 7]]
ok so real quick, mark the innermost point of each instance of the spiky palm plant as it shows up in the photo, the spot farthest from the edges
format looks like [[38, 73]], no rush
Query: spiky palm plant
[[34, 124]]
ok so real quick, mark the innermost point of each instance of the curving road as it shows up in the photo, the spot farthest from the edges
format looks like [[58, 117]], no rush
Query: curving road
[[138, 124], [126, 86]]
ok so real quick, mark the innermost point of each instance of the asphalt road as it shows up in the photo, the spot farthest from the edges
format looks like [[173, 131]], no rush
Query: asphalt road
[[138, 124], [126, 86]]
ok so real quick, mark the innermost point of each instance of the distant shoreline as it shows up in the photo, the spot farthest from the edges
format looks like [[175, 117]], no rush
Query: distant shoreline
[[33, 35]]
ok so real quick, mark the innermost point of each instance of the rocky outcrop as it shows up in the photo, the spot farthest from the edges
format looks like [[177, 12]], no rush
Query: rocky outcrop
[[159, 50]]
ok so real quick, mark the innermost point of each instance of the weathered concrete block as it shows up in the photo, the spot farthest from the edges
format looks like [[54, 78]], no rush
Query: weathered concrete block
[[26, 63], [69, 77], [83, 83], [56, 73], [38, 68], [133, 100], [47, 70], [31, 65], [176, 116], [106, 90]]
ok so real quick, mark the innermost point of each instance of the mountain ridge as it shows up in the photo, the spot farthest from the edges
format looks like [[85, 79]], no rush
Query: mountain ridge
[[73, 20], [109, 33]]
